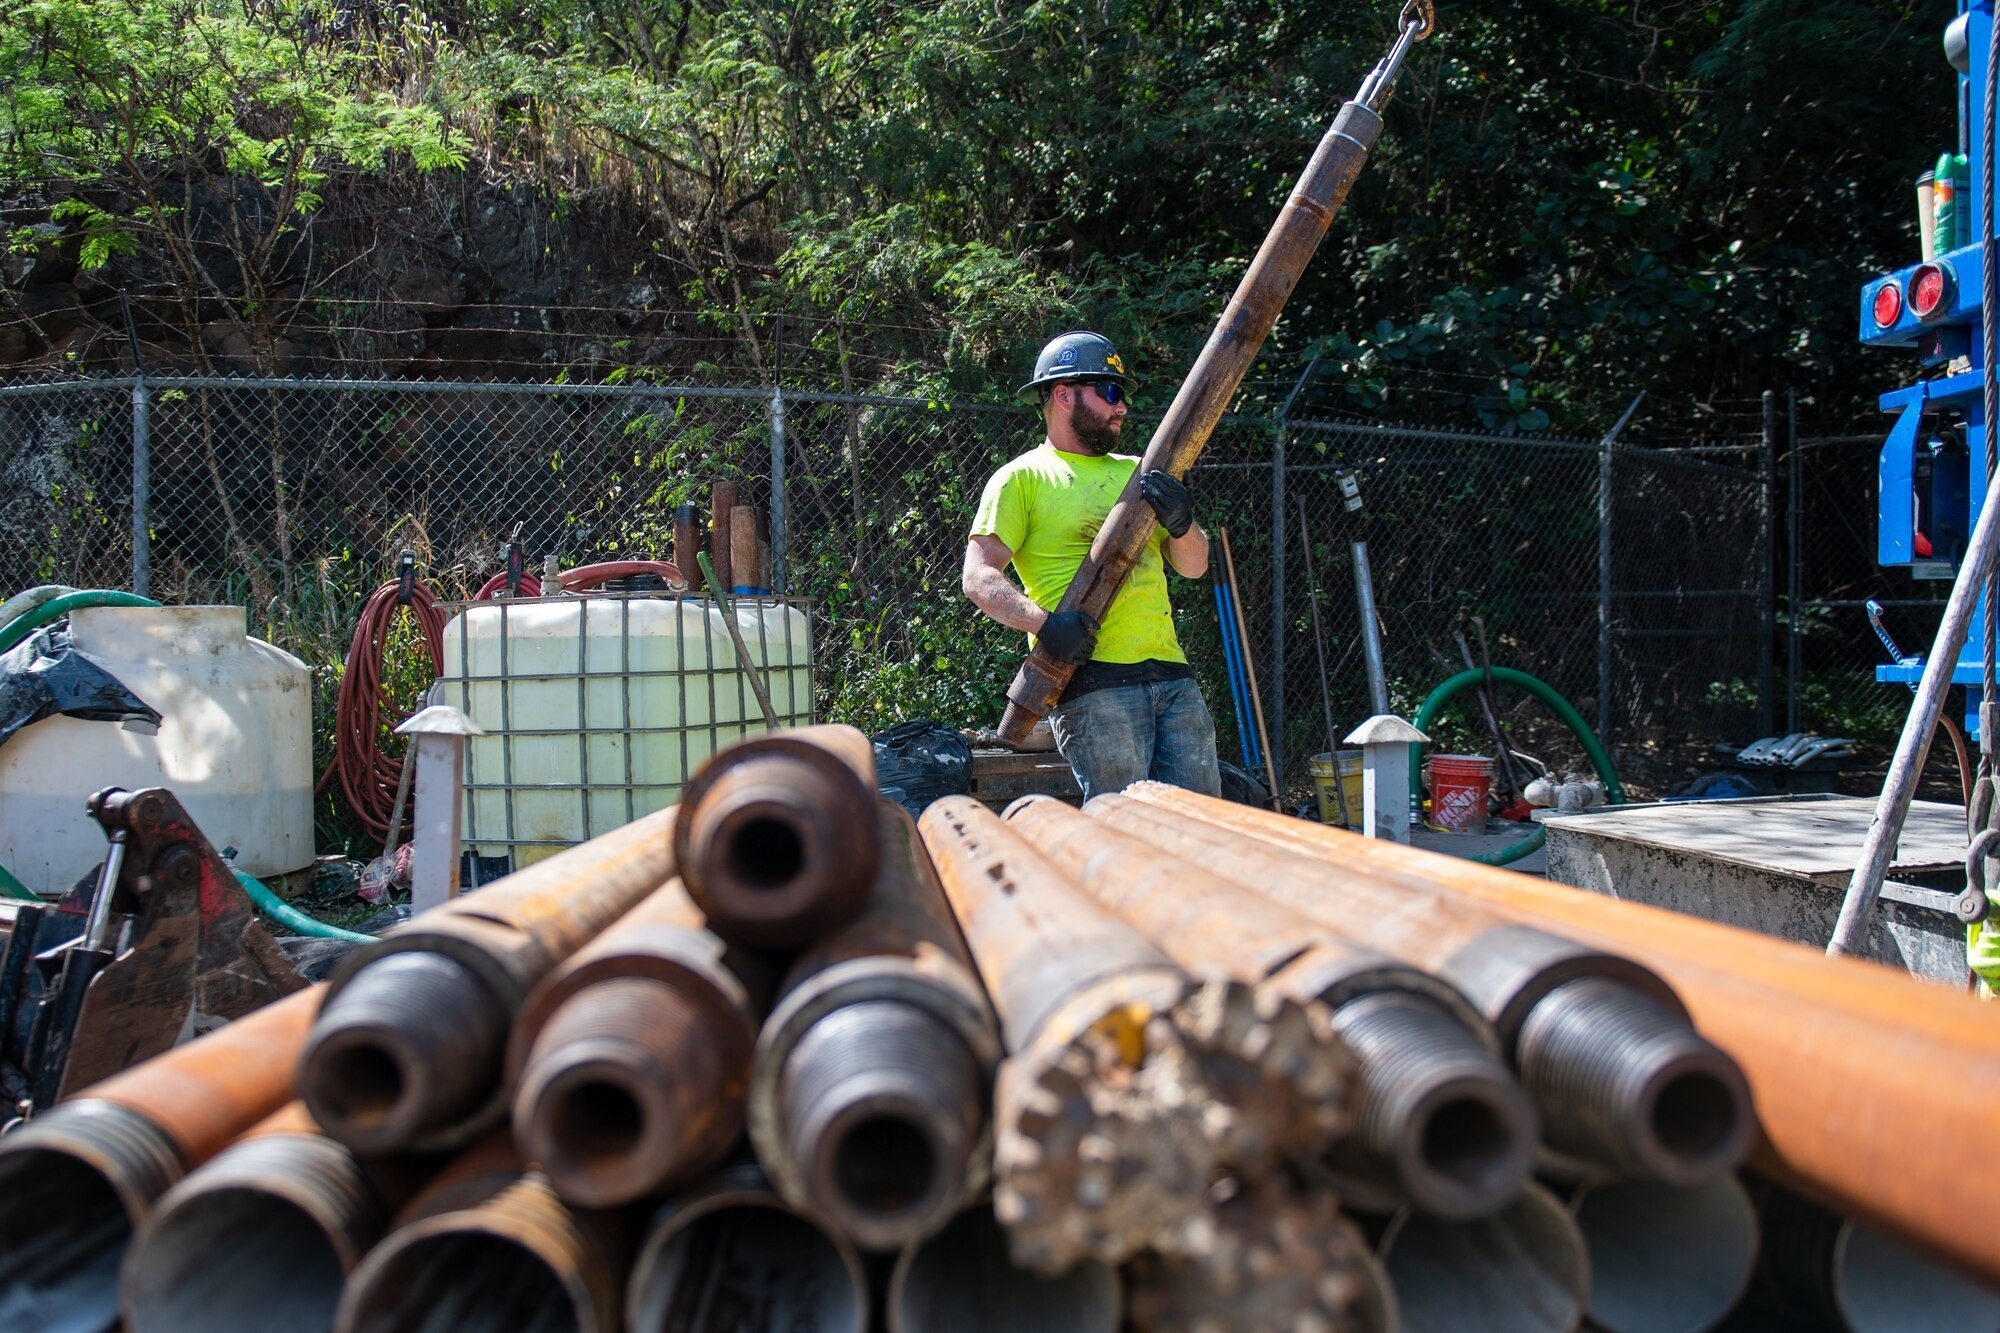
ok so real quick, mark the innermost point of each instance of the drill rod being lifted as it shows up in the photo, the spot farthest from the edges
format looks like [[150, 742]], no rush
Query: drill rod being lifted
[[1229, 353], [874, 1072], [407, 1052], [1102, 1142], [1440, 1121], [634, 1056], [1624, 1083]]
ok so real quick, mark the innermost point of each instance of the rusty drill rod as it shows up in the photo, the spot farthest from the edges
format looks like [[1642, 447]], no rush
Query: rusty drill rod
[[778, 841], [1838, 1051], [1104, 1144], [1440, 1120], [1663, 1257], [631, 1060], [961, 1279], [1624, 1084], [874, 1071], [1284, 1258], [1524, 1270], [76, 1180], [487, 1247], [407, 1051], [730, 1256], [264, 1235], [1230, 351]]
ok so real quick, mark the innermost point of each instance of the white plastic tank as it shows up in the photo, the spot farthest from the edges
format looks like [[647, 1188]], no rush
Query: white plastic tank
[[234, 744], [596, 708]]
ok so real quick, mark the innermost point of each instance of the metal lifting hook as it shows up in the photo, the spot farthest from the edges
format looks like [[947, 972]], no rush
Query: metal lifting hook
[[1421, 14]]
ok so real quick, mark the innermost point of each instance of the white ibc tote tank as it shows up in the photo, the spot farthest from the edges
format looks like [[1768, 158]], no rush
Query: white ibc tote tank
[[234, 745]]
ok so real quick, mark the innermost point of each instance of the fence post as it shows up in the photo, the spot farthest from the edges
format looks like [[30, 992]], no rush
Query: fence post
[[142, 485], [1794, 575], [1278, 604], [1767, 583], [1604, 588], [779, 583]]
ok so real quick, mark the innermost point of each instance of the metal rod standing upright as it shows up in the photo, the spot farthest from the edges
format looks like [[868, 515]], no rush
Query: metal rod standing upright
[[1767, 582], [1604, 511], [1371, 629], [1794, 576], [1250, 672], [1229, 353], [142, 486], [780, 547]]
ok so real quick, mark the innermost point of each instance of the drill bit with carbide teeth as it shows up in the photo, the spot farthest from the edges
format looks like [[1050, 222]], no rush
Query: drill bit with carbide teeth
[[1106, 1139], [1438, 1120]]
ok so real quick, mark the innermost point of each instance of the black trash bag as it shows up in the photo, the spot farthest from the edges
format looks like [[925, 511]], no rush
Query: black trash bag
[[46, 675], [1241, 786], [920, 761]]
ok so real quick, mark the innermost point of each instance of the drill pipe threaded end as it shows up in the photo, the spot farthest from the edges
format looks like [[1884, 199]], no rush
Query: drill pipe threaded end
[[413, 1043], [620, 1090], [1625, 1084], [780, 850], [880, 1105], [1442, 1121]]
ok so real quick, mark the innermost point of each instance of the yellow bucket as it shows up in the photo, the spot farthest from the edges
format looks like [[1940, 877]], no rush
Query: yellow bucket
[[1350, 785]]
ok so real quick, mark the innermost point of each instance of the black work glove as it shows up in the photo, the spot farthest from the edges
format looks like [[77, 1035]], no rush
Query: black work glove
[[1070, 636], [1170, 500]]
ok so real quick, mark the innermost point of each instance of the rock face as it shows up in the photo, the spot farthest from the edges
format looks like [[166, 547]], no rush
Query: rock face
[[445, 275]]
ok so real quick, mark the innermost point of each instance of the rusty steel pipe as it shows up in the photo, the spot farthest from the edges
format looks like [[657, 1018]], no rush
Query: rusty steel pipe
[[78, 1179], [407, 1052], [730, 1256], [1283, 1258], [1665, 1259], [264, 1235], [1441, 1121], [778, 840], [1523, 1270], [1182, 434], [631, 1061], [1624, 1084], [961, 1279], [487, 1247], [1816, 1037], [875, 1070], [1103, 1142]]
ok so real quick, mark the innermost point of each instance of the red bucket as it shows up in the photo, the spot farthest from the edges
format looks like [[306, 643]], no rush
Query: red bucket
[[1460, 784]]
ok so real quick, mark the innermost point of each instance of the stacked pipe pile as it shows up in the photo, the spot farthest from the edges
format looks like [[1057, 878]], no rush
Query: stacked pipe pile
[[782, 1059]]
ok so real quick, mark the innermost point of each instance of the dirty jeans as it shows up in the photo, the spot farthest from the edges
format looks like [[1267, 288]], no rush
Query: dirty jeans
[[1121, 735]]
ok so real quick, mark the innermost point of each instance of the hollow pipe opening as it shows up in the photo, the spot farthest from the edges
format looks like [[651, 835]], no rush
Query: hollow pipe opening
[[364, 1084], [745, 1262], [885, 1164], [1695, 1115], [1467, 1140], [595, 1122], [1666, 1259], [232, 1258], [63, 1231], [466, 1282], [962, 1279], [1522, 1270], [765, 852]]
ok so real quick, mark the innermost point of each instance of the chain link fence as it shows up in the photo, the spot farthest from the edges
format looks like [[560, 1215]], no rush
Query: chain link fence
[[292, 497]]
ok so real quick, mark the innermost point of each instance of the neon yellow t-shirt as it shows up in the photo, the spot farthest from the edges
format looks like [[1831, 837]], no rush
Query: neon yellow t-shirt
[[1047, 506]]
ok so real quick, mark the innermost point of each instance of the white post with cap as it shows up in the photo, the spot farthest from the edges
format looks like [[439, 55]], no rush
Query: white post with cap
[[1385, 742], [437, 747]]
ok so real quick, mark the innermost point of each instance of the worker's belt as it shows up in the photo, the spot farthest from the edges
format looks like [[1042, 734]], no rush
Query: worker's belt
[[1113, 675]]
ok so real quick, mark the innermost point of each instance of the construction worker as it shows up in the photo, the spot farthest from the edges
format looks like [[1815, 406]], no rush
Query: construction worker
[[1133, 710]]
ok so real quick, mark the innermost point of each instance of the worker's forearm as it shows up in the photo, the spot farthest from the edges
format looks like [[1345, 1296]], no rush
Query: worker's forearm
[[1188, 553], [994, 594]]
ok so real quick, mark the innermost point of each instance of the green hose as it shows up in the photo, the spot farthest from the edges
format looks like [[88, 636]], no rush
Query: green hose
[[21, 626], [290, 917], [14, 888], [27, 601], [1614, 791]]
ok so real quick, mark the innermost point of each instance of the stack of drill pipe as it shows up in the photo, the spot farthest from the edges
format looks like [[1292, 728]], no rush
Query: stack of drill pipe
[[1102, 1142], [1440, 1122], [264, 1235], [406, 1054], [874, 1072], [77, 1180], [962, 1279], [488, 1246], [631, 1061], [731, 1256], [777, 840], [1624, 1084], [1842, 1055]]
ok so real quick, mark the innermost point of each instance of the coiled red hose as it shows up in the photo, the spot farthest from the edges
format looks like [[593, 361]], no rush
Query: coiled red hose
[[368, 778]]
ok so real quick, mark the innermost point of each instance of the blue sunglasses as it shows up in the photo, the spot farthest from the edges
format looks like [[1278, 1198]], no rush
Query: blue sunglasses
[[1111, 391]]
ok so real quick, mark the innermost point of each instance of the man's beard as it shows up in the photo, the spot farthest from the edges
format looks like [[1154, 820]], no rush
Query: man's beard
[[1098, 437]]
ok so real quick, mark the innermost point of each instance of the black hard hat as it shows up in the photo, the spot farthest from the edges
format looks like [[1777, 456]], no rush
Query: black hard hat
[[1077, 355]]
